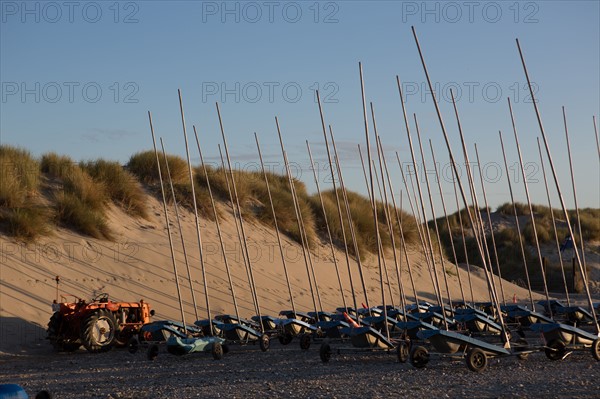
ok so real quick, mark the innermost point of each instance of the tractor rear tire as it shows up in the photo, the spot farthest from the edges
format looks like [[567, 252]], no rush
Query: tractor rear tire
[[99, 331], [58, 342]]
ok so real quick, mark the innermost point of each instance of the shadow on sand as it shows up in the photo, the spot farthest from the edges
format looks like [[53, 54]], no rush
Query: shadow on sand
[[18, 336]]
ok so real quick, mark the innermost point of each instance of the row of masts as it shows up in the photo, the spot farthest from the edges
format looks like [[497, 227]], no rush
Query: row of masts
[[376, 175]]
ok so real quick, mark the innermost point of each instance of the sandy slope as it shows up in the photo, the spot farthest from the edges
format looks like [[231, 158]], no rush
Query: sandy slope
[[138, 265]]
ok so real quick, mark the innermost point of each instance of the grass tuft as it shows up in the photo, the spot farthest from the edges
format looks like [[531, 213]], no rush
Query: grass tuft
[[21, 213], [76, 214], [143, 165], [121, 186]]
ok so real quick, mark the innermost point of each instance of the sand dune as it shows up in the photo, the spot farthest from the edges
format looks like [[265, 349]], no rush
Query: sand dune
[[138, 265]]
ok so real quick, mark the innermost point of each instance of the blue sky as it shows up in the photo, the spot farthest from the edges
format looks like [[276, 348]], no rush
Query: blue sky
[[80, 80]]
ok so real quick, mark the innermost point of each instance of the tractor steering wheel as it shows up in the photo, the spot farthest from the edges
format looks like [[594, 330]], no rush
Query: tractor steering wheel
[[103, 297]]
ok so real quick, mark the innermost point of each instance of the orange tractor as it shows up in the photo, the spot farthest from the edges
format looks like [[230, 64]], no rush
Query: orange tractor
[[98, 325]]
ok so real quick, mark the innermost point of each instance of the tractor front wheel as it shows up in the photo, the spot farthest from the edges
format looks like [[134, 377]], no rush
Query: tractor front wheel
[[98, 331]]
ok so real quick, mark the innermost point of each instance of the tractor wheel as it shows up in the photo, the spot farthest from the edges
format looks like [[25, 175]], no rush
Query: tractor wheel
[[152, 352], [98, 331], [264, 343], [325, 352], [596, 349], [477, 360], [305, 342], [217, 351], [285, 338], [556, 350], [54, 335], [402, 352], [419, 357]]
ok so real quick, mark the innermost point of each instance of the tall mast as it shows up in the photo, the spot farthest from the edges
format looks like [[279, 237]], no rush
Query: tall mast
[[285, 269], [489, 219], [400, 228], [439, 183], [219, 233], [335, 263], [168, 223], [185, 257], [575, 193], [512, 199], [524, 176], [462, 191], [556, 239], [337, 200], [239, 211], [196, 219], [372, 189], [349, 215], [305, 251], [560, 196]]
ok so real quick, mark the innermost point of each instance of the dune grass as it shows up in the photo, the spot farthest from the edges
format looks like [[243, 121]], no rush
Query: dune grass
[[590, 221], [75, 213], [37, 194], [20, 176], [79, 194], [80, 201], [120, 185], [254, 201], [143, 165], [508, 245], [22, 214], [283, 204], [362, 218]]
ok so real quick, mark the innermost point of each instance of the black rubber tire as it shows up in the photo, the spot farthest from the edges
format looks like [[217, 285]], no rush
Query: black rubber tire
[[53, 329], [305, 342], [265, 343], [325, 352], [596, 349], [403, 352], [54, 335], [556, 350], [43, 395], [99, 331], [225, 348], [133, 345], [285, 338], [419, 357], [152, 352], [217, 351], [522, 345], [477, 360]]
